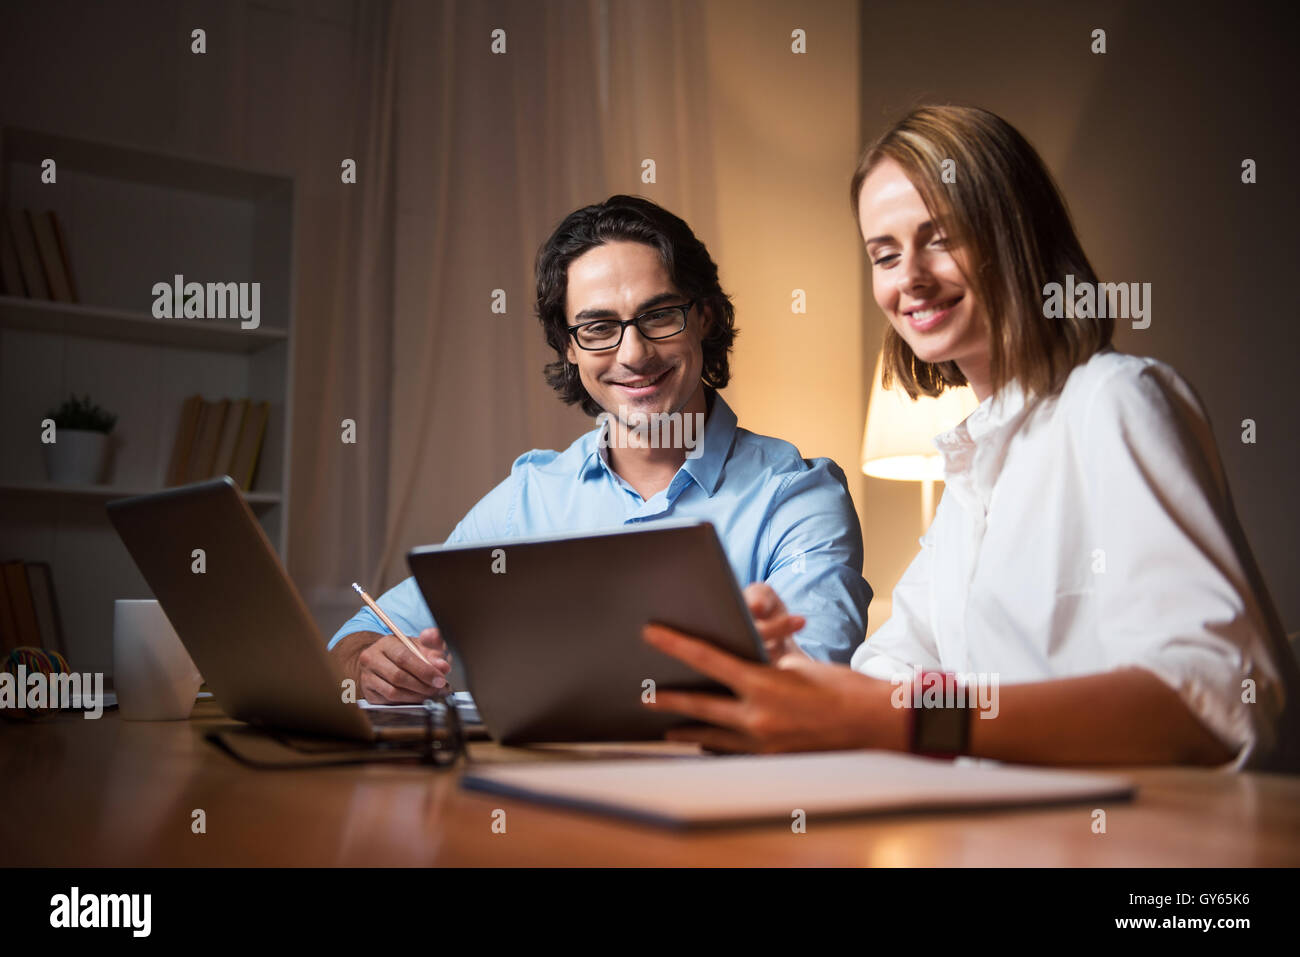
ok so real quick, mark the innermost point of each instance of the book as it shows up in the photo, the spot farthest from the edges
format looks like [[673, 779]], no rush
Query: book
[[191, 461], [47, 245], [8, 628], [29, 260], [207, 440], [21, 609], [11, 273], [689, 791], [230, 437], [62, 240], [244, 466], [40, 582], [186, 429]]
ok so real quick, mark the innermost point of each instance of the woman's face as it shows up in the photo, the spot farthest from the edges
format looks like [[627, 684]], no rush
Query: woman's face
[[916, 280]]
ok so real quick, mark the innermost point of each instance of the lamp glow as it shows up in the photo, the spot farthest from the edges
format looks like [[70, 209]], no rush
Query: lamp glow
[[896, 443]]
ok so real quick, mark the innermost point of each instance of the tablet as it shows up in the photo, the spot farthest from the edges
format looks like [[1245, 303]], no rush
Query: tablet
[[548, 630]]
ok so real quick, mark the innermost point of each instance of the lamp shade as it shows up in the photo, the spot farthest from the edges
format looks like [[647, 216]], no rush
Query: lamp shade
[[897, 441]]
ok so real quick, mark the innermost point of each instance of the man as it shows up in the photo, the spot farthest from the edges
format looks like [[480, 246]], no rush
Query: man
[[629, 300]]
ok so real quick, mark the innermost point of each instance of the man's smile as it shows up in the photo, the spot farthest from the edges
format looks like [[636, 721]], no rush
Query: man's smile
[[642, 385]]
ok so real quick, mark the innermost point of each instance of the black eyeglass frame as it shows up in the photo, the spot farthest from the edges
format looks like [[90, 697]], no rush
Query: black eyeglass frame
[[684, 307]]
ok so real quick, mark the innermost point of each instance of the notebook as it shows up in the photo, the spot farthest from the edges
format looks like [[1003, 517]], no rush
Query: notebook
[[710, 791]]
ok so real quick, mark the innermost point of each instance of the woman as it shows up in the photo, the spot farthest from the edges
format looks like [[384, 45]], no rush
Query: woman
[[1085, 562]]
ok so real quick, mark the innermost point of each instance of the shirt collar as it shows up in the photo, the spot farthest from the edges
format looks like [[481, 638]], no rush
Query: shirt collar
[[973, 450], [719, 433], [594, 460], [705, 469], [992, 415]]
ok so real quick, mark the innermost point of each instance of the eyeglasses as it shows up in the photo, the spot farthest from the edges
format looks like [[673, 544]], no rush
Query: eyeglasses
[[660, 323]]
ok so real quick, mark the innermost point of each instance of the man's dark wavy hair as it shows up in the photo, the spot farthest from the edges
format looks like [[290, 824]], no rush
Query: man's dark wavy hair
[[685, 258]]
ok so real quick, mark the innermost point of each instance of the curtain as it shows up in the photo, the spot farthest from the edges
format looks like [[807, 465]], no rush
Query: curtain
[[344, 329]]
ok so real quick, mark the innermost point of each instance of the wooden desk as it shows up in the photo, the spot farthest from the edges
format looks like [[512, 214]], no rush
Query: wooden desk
[[121, 793]]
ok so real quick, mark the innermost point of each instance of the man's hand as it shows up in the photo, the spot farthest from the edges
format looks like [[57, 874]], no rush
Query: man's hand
[[774, 624], [387, 673], [804, 705]]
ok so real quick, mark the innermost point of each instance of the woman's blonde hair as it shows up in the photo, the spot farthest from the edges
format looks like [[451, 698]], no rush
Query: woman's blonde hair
[[1006, 213]]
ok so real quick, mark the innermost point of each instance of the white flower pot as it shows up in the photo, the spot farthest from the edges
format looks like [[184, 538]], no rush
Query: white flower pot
[[76, 457]]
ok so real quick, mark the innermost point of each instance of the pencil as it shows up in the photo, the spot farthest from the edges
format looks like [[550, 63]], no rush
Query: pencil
[[389, 622]]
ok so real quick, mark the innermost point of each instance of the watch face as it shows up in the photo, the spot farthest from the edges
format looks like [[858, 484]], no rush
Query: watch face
[[941, 730]]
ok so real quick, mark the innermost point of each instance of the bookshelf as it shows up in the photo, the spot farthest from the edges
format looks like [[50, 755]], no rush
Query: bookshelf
[[131, 218]]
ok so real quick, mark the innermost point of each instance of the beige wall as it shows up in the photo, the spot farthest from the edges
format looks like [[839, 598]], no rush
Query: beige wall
[[785, 139]]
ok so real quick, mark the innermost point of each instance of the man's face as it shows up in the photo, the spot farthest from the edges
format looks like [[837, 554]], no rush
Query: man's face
[[621, 280]]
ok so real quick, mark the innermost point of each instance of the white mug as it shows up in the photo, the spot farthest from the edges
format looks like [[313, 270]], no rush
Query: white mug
[[153, 675]]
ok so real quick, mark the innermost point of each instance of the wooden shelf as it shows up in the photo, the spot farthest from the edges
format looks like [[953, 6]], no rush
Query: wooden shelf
[[106, 492], [151, 167], [96, 322]]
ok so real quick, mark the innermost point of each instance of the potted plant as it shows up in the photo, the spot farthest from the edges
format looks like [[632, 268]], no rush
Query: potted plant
[[79, 452]]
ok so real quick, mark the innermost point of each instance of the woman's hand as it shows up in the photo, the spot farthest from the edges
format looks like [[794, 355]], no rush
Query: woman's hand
[[803, 705]]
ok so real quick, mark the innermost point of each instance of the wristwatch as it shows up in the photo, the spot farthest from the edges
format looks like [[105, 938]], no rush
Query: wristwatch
[[940, 732]]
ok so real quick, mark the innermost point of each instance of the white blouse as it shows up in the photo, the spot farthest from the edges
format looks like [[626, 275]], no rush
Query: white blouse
[[1089, 531]]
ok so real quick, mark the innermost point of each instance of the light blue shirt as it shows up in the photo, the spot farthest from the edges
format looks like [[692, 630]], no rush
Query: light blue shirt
[[782, 519]]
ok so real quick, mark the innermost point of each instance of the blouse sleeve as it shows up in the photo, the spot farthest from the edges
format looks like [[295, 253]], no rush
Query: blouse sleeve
[[906, 641], [1176, 595]]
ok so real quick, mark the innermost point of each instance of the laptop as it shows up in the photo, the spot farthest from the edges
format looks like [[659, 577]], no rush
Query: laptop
[[243, 621], [548, 630]]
